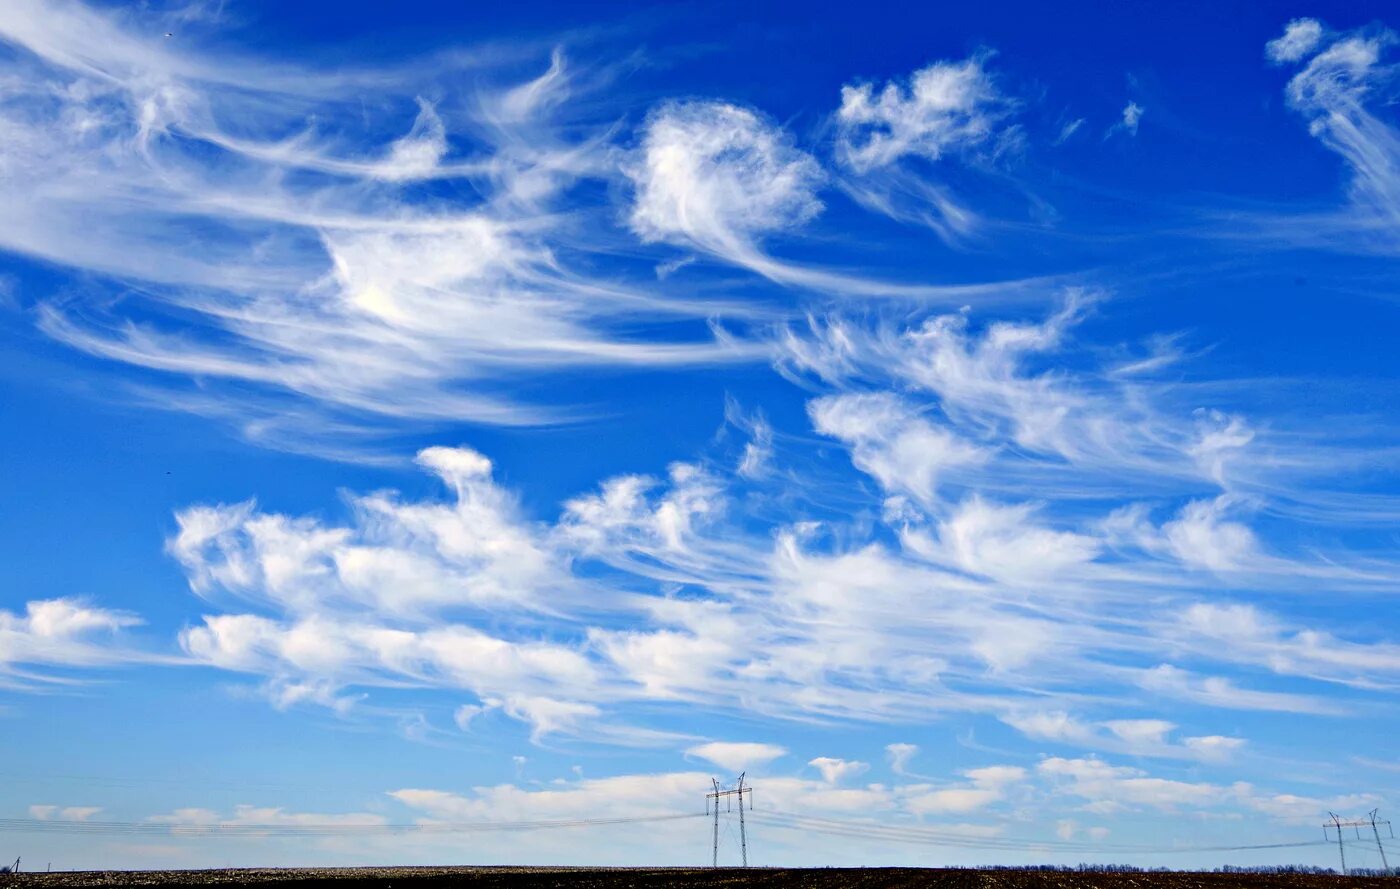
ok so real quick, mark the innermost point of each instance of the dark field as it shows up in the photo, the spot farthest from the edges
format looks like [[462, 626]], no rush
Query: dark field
[[641, 878]]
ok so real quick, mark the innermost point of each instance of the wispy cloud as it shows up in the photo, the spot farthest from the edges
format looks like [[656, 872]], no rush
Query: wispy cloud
[[947, 113], [267, 239], [1339, 90], [1130, 118], [61, 634]]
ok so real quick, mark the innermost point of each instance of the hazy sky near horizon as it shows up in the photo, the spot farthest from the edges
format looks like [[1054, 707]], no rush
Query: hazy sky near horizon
[[979, 418]]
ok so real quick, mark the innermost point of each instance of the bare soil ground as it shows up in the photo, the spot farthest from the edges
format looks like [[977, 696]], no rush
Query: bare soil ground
[[641, 878]]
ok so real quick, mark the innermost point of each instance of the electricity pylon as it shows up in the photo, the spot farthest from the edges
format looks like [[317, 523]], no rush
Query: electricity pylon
[[1371, 821], [728, 795]]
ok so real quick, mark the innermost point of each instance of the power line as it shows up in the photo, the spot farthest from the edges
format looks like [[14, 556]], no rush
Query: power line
[[893, 833]]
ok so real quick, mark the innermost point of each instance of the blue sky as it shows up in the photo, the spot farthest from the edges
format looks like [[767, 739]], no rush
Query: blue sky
[[978, 419]]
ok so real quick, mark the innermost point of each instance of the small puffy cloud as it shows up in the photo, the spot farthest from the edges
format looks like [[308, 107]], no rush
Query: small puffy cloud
[[1003, 542], [1201, 536], [63, 813], [758, 451], [547, 715], [404, 558], [995, 776], [1110, 789], [1138, 737], [1141, 732], [417, 154], [947, 106], [465, 714], [899, 755], [1300, 810], [736, 756], [1231, 621], [60, 633], [535, 96], [1213, 747], [1132, 116], [717, 176], [266, 816], [986, 786], [953, 800], [1221, 437], [834, 771], [308, 660], [61, 619], [1300, 37], [893, 442], [1049, 725]]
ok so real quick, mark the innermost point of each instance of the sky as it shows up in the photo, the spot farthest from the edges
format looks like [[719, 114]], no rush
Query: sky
[[976, 423]]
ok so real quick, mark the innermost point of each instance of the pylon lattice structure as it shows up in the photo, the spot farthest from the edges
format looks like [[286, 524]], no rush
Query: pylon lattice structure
[[728, 795], [1370, 821]]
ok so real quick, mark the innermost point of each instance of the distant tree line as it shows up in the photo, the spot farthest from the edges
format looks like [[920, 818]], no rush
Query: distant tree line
[[1083, 868]]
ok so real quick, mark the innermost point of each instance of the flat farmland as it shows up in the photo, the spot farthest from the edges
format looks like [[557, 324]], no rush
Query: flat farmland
[[700, 878]]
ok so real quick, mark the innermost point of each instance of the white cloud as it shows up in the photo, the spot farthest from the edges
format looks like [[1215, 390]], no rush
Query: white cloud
[[403, 559], [1221, 438], [60, 633], [1108, 789], [953, 800], [1141, 732], [995, 776], [1219, 691], [737, 756], [264, 816], [1337, 92], [692, 590], [719, 178], [835, 771], [1131, 117], [548, 716], [1050, 725], [945, 107], [1002, 542], [899, 755], [947, 111], [983, 386], [987, 785], [1201, 536], [1245, 634], [1132, 114], [1295, 809], [1137, 737], [716, 177], [316, 311], [1068, 130], [1213, 747], [314, 656], [892, 442], [63, 813], [758, 451], [1300, 37]]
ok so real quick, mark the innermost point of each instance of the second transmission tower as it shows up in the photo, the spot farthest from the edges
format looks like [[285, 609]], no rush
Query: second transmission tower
[[1371, 821]]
